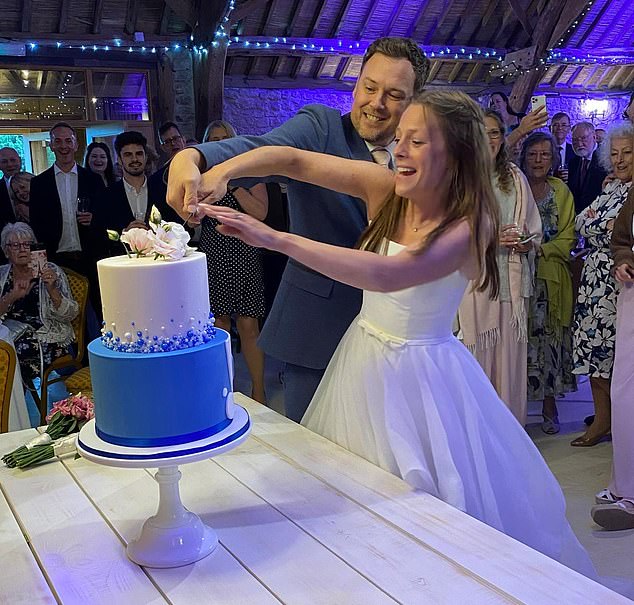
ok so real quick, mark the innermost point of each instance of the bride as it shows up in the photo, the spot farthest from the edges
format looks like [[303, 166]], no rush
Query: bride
[[401, 391]]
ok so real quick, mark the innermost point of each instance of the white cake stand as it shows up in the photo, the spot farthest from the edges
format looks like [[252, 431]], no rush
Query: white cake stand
[[174, 536]]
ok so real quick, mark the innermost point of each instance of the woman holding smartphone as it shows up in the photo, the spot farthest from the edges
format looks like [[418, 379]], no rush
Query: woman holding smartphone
[[37, 306], [550, 309], [495, 331]]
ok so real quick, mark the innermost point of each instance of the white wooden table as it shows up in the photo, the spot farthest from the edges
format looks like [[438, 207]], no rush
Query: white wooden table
[[300, 520]]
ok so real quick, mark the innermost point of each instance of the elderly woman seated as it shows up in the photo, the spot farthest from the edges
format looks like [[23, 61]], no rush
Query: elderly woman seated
[[35, 304]]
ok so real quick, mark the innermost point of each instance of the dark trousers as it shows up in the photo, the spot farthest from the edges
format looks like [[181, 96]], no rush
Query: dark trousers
[[300, 385]]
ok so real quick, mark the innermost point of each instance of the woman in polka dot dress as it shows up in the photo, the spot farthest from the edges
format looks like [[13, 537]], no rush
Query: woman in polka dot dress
[[236, 283]]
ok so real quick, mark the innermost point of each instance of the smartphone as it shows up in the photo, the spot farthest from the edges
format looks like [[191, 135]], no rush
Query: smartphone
[[538, 101], [38, 260]]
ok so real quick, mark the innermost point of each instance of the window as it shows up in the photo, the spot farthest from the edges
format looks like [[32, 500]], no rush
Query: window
[[120, 96]]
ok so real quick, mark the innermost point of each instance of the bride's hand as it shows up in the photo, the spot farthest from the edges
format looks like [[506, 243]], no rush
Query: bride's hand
[[243, 226]]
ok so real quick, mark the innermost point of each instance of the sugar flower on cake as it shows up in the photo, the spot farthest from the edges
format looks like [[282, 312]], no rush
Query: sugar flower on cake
[[162, 240], [168, 240], [138, 241]]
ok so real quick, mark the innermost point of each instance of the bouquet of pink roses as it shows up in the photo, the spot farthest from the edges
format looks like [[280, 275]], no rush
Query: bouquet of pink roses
[[64, 420]]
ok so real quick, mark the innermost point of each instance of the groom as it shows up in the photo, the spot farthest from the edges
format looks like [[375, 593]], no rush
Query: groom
[[311, 312]]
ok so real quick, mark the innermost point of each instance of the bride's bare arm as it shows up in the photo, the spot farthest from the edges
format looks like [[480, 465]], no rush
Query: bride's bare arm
[[365, 180], [358, 268]]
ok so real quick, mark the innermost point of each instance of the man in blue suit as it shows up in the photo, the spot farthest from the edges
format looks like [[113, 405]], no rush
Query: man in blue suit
[[311, 312]]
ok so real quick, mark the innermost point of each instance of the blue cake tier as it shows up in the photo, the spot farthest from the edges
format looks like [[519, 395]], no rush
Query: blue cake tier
[[160, 399]]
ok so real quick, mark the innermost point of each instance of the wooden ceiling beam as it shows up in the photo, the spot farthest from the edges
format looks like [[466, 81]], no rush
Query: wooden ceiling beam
[[26, 15], [240, 12], [521, 15], [433, 72], [448, 5], [396, 11], [165, 19], [314, 24], [614, 80], [570, 12], [593, 25], [341, 19], [130, 17], [453, 74], [271, 9], [185, 9], [273, 67], [474, 73], [295, 16], [340, 72], [418, 18], [574, 76], [367, 18], [629, 79], [96, 17], [593, 72], [62, 24]]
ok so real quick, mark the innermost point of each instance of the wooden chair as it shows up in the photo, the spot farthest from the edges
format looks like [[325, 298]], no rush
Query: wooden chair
[[79, 291], [7, 372]]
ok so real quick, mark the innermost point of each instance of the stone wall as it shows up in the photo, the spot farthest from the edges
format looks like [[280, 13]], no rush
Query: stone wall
[[183, 79], [257, 110]]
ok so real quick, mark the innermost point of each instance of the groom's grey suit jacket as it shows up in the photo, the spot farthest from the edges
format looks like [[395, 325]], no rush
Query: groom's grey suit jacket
[[311, 312]]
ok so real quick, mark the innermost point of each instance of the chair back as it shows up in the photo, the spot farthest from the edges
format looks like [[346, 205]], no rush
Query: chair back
[[7, 372], [79, 289]]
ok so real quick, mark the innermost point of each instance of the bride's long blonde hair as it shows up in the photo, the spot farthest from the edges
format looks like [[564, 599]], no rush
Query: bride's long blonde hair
[[470, 193]]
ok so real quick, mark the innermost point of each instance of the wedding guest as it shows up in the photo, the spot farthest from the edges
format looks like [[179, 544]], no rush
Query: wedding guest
[[236, 277], [495, 331], [64, 200], [10, 165], [99, 161], [311, 311], [500, 103], [600, 134], [560, 129], [616, 503], [400, 390], [595, 312], [550, 308], [40, 303], [585, 172], [21, 189]]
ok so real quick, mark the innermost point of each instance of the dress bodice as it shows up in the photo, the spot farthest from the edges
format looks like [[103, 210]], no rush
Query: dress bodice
[[424, 312]]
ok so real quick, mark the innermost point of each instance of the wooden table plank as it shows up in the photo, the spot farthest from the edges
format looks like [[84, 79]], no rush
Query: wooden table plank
[[78, 550], [403, 567], [487, 553], [126, 497], [295, 567], [21, 580]]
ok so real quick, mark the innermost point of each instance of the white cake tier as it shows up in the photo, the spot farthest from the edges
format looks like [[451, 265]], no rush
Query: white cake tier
[[153, 300]]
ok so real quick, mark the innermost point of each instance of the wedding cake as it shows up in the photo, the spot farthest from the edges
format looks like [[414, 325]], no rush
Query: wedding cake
[[161, 373]]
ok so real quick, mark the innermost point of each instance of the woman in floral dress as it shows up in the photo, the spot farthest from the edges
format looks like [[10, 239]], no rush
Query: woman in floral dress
[[595, 313], [550, 308]]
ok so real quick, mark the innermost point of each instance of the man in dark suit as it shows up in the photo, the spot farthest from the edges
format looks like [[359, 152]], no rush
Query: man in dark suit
[[10, 166], [64, 201], [586, 176], [128, 202], [560, 129], [311, 312]]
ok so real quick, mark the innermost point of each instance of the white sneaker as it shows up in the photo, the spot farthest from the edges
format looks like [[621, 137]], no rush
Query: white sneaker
[[605, 496]]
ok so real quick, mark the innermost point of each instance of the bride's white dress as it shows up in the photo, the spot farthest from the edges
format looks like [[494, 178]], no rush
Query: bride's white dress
[[404, 393]]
